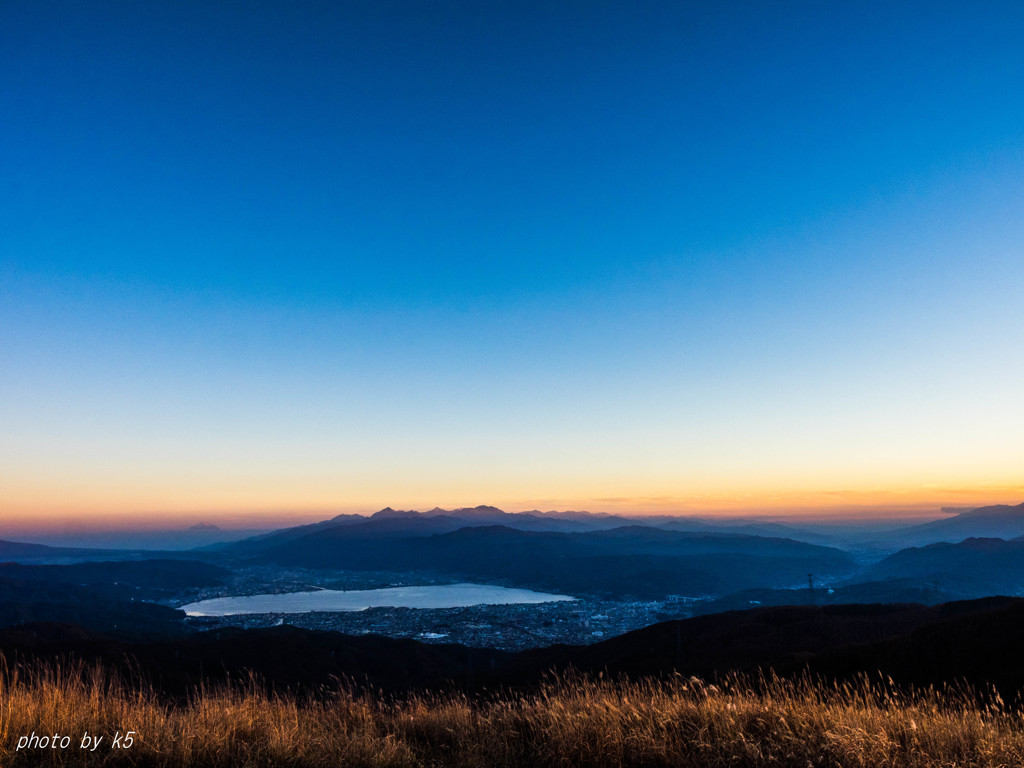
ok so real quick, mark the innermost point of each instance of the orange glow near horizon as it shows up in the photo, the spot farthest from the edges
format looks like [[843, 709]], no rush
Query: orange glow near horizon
[[95, 512]]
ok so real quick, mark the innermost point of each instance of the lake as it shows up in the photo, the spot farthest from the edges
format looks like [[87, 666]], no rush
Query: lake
[[432, 596]]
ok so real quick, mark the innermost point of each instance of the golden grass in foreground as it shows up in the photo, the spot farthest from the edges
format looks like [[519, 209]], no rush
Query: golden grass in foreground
[[577, 721]]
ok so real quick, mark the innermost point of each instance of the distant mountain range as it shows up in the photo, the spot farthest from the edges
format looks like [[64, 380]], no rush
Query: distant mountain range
[[15, 550], [999, 522], [151, 540], [556, 522], [610, 555], [627, 561]]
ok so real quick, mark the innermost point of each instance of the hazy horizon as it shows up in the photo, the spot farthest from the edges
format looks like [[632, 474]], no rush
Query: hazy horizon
[[250, 524]]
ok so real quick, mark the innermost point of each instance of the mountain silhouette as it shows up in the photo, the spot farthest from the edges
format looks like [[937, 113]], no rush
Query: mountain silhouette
[[1000, 521]]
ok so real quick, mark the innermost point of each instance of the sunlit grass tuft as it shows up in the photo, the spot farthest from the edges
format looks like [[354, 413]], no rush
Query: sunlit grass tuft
[[568, 721]]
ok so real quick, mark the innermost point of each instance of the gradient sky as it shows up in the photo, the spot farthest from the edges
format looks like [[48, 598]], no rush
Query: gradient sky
[[298, 257]]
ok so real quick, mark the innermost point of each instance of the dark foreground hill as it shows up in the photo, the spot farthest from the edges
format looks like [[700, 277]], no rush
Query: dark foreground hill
[[109, 597], [141, 579], [902, 641], [975, 640], [287, 657]]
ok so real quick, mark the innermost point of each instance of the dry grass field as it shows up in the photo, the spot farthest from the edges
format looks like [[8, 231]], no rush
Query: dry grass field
[[574, 721]]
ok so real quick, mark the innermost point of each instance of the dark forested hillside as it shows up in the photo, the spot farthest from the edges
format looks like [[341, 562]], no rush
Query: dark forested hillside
[[978, 641]]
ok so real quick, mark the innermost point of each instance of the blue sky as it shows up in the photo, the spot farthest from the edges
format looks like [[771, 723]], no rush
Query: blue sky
[[309, 256]]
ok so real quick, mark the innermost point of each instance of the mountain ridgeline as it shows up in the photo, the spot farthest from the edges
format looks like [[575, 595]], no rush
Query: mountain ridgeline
[[737, 563], [1001, 521], [630, 560]]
